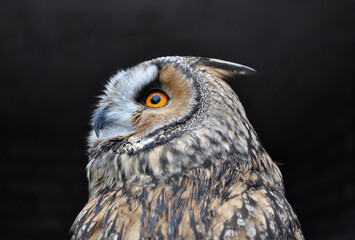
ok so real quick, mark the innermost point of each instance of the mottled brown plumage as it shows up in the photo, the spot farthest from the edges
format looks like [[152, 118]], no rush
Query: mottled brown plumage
[[192, 169]]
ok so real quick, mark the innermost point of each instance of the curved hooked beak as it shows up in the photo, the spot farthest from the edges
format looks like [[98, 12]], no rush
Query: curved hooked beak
[[99, 121], [112, 124]]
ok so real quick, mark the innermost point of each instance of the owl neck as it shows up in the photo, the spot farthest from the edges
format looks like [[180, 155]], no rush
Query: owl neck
[[203, 148], [208, 178]]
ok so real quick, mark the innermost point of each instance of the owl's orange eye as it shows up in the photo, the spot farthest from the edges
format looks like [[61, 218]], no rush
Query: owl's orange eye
[[156, 99]]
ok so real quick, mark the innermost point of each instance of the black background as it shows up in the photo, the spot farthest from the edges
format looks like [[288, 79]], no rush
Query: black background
[[55, 57]]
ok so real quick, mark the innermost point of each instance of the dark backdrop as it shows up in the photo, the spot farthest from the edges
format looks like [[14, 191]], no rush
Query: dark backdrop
[[55, 57]]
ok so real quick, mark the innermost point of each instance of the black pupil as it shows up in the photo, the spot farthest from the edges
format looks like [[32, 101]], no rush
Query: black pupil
[[155, 99]]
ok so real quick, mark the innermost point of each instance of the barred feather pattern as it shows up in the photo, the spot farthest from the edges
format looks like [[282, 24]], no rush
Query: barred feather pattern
[[210, 202], [198, 172]]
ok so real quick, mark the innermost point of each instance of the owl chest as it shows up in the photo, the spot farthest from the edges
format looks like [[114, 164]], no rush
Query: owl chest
[[163, 213], [168, 212]]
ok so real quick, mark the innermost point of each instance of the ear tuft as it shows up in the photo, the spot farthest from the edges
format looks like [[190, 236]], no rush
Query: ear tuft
[[226, 68]]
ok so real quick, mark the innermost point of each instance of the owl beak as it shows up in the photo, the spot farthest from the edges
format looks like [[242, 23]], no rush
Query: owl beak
[[97, 132], [99, 121]]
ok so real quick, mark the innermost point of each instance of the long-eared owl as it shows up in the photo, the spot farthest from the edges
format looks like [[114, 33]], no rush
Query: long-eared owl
[[172, 155]]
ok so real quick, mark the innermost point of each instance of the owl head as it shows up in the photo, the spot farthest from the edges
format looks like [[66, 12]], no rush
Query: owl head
[[166, 116]]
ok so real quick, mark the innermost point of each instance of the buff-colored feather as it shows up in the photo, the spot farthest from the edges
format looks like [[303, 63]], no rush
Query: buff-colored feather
[[192, 169]]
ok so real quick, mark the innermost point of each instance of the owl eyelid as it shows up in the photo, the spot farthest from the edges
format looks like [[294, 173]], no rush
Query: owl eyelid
[[154, 90], [146, 94]]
